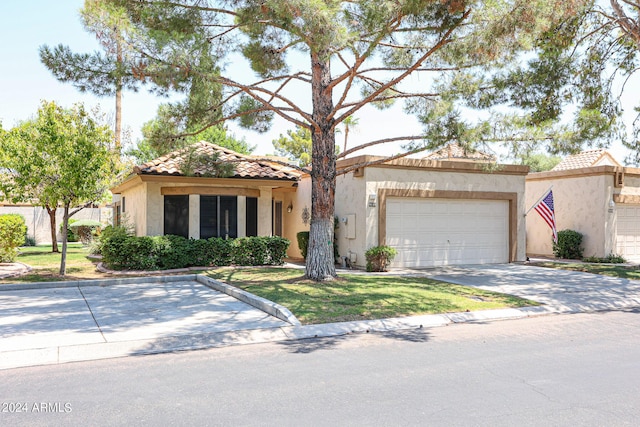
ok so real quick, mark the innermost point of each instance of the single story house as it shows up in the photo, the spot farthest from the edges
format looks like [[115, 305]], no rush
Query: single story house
[[434, 212], [594, 195], [157, 198]]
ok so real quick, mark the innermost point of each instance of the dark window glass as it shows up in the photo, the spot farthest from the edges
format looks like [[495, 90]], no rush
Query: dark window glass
[[208, 216], [176, 215], [218, 216], [228, 216], [123, 204], [252, 216]]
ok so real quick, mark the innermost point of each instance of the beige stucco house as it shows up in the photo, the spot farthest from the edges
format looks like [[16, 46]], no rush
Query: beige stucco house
[[158, 199], [434, 212], [594, 195]]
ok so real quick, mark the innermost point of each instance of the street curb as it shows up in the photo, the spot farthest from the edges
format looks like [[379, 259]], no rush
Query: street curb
[[109, 350], [260, 303]]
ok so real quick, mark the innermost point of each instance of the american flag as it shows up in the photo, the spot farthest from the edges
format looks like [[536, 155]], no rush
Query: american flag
[[547, 212]]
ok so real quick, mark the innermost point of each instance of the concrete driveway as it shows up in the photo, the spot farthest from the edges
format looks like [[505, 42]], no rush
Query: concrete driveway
[[65, 322], [561, 291], [98, 319]]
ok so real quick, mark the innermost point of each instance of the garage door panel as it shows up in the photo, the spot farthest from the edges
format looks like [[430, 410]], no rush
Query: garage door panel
[[435, 232], [628, 232]]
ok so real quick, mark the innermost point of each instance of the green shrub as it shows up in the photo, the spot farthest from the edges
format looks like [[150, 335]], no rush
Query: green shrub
[[569, 245], [609, 259], [106, 234], [122, 251], [169, 252], [12, 232], [218, 251], [71, 234], [303, 242], [250, 251], [29, 241], [277, 249], [379, 257]]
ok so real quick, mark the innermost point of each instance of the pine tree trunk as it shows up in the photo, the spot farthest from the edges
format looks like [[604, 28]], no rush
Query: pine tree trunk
[[65, 224], [320, 263], [52, 224]]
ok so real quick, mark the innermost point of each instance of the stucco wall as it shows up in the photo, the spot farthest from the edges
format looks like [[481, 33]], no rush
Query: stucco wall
[[135, 213], [351, 199], [292, 221], [37, 219], [145, 209], [581, 204]]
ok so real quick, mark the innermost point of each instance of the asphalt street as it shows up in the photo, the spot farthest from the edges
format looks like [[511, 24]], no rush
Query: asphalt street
[[572, 369]]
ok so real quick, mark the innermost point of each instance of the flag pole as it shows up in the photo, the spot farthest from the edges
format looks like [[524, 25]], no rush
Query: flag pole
[[538, 201]]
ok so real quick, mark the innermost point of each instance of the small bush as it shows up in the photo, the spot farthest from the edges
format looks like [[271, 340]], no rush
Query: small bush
[[86, 233], [609, 259], [171, 252], [71, 234], [277, 248], [106, 234], [29, 241], [250, 251], [12, 232], [569, 245], [379, 257], [303, 242]]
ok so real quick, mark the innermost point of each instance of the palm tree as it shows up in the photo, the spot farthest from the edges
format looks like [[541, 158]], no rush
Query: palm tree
[[349, 122]]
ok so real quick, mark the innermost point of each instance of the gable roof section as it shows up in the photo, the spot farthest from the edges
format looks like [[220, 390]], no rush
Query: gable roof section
[[247, 167], [455, 151], [587, 159]]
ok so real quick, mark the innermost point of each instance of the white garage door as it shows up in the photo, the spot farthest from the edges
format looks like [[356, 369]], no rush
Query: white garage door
[[433, 232], [628, 232]]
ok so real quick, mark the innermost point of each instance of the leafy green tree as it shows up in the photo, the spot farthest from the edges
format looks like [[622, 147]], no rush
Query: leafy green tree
[[356, 53], [296, 145], [569, 92], [540, 162], [61, 158], [166, 133]]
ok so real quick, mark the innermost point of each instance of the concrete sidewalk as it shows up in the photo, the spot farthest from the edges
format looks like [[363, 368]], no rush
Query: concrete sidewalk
[[61, 322]]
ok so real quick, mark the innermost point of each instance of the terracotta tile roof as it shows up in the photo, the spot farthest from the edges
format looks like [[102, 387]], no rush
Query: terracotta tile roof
[[249, 167], [456, 151], [586, 159]]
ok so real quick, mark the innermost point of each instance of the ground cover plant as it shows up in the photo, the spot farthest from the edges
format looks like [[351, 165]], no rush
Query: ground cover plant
[[359, 296]]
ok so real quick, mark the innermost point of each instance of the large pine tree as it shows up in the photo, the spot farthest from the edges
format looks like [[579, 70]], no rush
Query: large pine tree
[[318, 62]]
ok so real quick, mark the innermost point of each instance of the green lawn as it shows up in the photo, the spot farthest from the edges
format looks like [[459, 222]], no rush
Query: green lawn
[[613, 270], [46, 264], [361, 297], [350, 297]]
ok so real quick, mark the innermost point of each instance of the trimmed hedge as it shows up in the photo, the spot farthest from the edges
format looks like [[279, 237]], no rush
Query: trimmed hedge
[[121, 251], [12, 235]]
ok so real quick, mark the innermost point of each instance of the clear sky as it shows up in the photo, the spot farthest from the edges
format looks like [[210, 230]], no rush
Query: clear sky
[[24, 81]]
